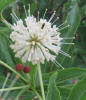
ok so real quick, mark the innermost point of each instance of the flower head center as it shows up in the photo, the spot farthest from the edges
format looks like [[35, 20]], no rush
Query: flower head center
[[34, 41]]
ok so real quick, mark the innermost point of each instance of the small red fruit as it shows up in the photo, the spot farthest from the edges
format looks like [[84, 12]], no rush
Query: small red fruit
[[26, 69], [19, 67]]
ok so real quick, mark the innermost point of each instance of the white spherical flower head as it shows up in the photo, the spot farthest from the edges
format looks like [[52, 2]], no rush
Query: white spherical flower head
[[36, 40]]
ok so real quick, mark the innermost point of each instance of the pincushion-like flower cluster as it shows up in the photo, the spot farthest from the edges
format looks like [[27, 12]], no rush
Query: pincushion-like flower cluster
[[36, 40]]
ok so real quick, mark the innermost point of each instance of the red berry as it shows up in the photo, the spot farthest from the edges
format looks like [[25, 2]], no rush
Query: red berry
[[19, 67], [26, 69]]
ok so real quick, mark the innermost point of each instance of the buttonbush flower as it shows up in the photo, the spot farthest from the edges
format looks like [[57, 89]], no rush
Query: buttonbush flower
[[36, 40]]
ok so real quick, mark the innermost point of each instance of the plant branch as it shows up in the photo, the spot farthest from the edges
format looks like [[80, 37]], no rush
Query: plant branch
[[41, 82], [11, 69], [15, 88], [37, 94]]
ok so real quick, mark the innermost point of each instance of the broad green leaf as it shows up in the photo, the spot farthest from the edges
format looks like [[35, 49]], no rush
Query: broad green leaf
[[46, 76], [53, 92], [5, 29], [83, 96], [64, 91], [70, 73], [78, 90], [73, 20], [66, 74], [5, 53]]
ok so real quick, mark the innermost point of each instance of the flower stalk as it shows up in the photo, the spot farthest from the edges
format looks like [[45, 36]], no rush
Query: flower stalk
[[15, 88], [40, 98], [41, 82]]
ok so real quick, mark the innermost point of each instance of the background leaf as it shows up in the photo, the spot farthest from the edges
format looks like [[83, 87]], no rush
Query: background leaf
[[73, 19], [70, 73], [53, 92], [4, 3], [83, 96], [66, 74], [5, 53], [78, 90], [75, 13]]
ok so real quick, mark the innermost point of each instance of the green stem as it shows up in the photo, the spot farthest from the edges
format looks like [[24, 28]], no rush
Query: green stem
[[15, 88], [3, 20], [10, 68], [41, 82], [37, 94]]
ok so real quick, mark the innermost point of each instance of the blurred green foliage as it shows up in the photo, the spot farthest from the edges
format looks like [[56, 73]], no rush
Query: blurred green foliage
[[74, 11]]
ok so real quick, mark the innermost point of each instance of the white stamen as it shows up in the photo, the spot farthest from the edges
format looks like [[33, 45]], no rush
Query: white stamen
[[25, 11], [62, 24], [38, 15], [57, 63], [8, 75], [63, 28], [64, 53], [29, 10], [44, 13], [15, 15], [11, 85], [52, 16], [55, 20], [68, 43], [69, 38]]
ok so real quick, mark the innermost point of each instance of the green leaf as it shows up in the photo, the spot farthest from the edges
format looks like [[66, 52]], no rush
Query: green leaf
[[66, 74], [4, 29], [5, 54], [78, 90], [73, 19], [70, 73], [4, 3], [64, 91], [83, 97], [46, 76], [53, 92]]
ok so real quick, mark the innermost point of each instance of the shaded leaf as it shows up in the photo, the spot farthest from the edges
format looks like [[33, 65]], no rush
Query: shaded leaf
[[4, 50], [66, 74], [4, 3], [83, 96], [78, 90], [73, 19], [70, 73], [53, 92]]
